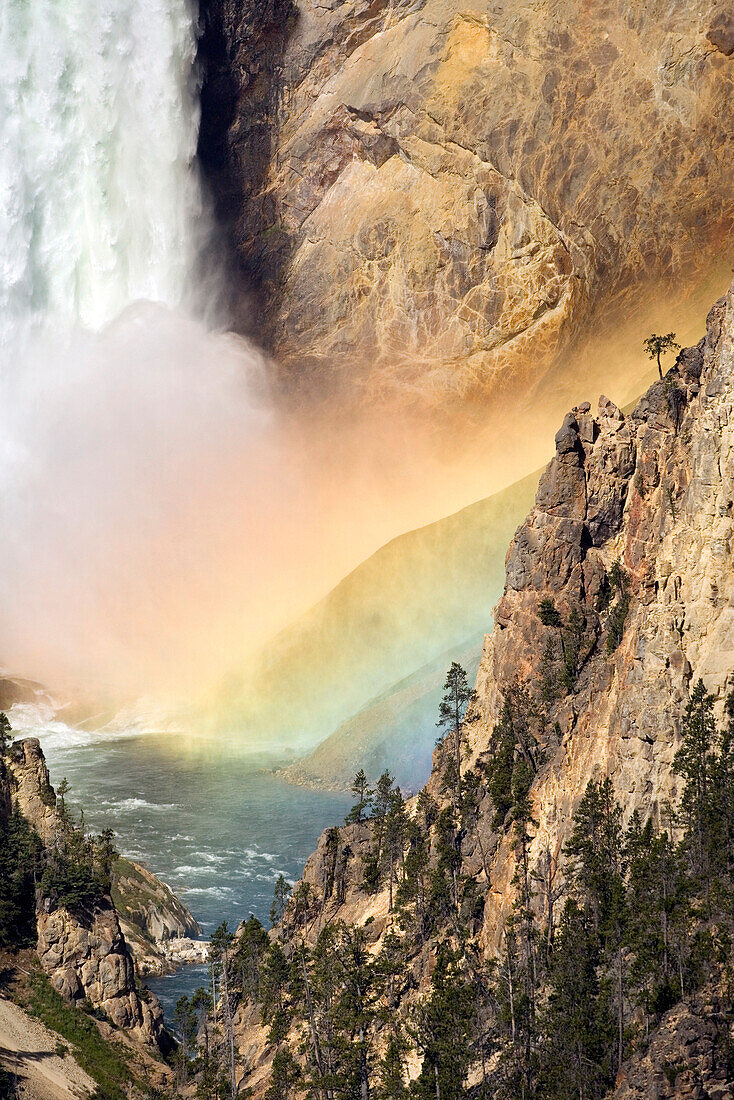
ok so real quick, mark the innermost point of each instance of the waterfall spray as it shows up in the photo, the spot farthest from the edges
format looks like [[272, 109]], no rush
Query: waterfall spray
[[98, 127]]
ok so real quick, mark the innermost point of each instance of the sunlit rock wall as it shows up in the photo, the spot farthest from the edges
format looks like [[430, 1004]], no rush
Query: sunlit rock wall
[[450, 196]]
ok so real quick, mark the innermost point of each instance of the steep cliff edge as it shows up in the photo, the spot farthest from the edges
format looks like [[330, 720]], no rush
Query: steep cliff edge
[[653, 492], [619, 598], [435, 201], [80, 945]]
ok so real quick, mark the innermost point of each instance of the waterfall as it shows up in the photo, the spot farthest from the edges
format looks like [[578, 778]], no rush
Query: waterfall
[[100, 203]]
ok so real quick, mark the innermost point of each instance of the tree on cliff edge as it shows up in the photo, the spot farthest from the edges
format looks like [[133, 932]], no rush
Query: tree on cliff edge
[[6, 733], [453, 714], [655, 346], [361, 790]]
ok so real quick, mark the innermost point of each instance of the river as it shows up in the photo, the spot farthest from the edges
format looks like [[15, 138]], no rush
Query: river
[[205, 814]]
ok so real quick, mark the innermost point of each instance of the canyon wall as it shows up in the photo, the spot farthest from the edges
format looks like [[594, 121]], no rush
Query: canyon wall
[[85, 952], [434, 201], [631, 538], [655, 492]]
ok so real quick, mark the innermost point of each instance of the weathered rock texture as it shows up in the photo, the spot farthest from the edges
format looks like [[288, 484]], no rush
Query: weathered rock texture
[[156, 924], [87, 958], [85, 955], [240, 51], [438, 199], [689, 1057], [655, 492], [31, 788]]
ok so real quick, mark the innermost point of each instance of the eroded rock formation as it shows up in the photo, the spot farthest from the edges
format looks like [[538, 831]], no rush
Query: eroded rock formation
[[631, 537], [87, 958], [157, 925], [434, 200], [85, 953]]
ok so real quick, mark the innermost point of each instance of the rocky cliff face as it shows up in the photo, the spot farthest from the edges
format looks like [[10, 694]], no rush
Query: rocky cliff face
[[437, 201], [88, 958], [240, 51], [85, 954], [654, 492], [688, 1055], [156, 924], [631, 538]]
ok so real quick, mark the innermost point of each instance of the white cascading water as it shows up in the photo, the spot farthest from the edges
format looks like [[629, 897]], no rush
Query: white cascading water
[[159, 518], [128, 434], [100, 204]]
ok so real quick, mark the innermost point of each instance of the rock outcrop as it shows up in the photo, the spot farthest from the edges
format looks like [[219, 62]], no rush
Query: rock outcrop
[[31, 788], [158, 927], [84, 953], [88, 959], [436, 201], [631, 538], [689, 1057]]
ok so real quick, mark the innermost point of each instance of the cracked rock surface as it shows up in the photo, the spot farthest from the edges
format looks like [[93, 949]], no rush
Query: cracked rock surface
[[435, 198]]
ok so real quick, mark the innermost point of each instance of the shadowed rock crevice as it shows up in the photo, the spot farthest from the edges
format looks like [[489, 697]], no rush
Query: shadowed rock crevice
[[240, 53]]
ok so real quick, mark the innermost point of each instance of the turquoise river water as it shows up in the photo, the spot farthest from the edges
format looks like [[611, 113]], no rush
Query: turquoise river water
[[208, 816]]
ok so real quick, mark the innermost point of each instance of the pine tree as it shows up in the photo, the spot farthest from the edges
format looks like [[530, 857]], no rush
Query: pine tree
[[251, 946], [20, 859], [722, 798], [392, 1084], [184, 1019], [106, 853], [219, 948], [574, 1060], [655, 346], [281, 894], [454, 713], [361, 790], [655, 892], [693, 761], [6, 734], [595, 848], [274, 988], [443, 1030], [284, 1076]]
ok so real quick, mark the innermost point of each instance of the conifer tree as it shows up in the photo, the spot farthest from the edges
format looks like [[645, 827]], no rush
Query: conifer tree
[[6, 733], [693, 761], [576, 1026], [443, 1029], [219, 947], [251, 946], [655, 346], [453, 715], [184, 1019], [361, 790], [595, 848], [281, 894]]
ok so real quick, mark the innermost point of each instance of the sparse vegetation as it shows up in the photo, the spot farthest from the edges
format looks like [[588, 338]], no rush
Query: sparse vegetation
[[655, 346], [105, 1062]]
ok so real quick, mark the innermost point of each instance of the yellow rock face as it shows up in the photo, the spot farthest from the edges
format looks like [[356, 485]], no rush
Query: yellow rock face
[[457, 195]]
